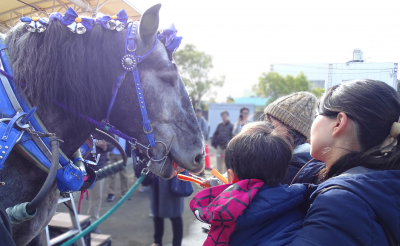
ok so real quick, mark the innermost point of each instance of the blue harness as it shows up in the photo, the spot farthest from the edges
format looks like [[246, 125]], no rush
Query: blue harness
[[129, 62], [21, 128]]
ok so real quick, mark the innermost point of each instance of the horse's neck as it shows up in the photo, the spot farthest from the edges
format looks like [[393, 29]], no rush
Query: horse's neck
[[68, 128]]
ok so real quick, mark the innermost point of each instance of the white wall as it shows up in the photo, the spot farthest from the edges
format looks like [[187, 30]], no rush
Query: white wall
[[383, 71], [215, 109], [339, 72]]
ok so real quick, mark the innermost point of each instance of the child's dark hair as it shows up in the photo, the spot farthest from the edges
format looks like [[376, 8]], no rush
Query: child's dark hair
[[260, 152], [373, 106]]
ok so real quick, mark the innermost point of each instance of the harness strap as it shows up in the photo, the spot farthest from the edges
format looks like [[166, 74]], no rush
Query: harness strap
[[10, 94], [3, 47], [130, 53], [11, 125], [130, 42]]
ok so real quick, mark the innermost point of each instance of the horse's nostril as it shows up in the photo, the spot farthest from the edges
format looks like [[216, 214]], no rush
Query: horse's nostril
[[198, 158]]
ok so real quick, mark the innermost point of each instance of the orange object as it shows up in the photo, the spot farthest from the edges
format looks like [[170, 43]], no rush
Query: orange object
[[207, 159], [190, 179], [196, 177], [78, 19], [219, 176], [114, 17]]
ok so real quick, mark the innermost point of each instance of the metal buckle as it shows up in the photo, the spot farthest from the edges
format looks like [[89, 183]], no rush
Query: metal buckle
[[146, 170], [165, 156], [127, 47], [151, 130]]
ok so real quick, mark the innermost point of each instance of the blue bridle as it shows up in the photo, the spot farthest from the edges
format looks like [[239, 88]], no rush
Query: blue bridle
[[129, 62]]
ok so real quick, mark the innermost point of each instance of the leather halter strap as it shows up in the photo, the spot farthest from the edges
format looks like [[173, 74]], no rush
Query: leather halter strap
[[129, 62]]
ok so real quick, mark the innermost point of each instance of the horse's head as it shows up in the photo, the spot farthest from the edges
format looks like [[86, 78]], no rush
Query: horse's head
[[80, 71], [167, 101]]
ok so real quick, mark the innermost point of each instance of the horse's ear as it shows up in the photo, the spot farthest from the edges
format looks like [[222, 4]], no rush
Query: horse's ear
[[149, 23]]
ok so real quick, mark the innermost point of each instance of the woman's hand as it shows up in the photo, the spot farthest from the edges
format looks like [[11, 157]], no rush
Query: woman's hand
[[205, 182]]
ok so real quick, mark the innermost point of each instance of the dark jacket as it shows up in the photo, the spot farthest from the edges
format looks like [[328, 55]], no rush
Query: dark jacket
[[303, 174], [222, 135], [354, 216], [309, 173], [273, 217], [298, 161]]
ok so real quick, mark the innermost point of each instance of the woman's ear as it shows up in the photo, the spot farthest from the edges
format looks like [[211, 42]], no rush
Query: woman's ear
[[232, 177], [342, 121]]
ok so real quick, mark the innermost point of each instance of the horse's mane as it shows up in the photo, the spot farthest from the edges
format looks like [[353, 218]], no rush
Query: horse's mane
[[58, 65]]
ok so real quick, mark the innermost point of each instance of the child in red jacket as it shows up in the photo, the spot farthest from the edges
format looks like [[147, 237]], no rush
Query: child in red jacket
[[248, 211]]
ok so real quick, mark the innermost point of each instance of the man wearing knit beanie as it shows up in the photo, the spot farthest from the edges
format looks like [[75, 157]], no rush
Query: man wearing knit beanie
[[296, 112]]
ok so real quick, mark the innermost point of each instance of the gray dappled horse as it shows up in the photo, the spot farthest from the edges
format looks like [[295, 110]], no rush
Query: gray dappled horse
[[80, 71]]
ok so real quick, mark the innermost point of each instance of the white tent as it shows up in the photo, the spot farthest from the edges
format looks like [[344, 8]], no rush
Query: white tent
[[12, 10]]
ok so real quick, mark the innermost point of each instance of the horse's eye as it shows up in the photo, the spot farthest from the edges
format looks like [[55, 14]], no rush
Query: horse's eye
[[170, 79]]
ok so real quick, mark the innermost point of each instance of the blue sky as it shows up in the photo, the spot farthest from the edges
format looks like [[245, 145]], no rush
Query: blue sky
[[245, 37]]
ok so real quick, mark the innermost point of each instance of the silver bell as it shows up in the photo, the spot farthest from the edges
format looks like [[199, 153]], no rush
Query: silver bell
[[40, 28], [119, 26], [31, 26], [111, 25], [80, 29], [72, 26]]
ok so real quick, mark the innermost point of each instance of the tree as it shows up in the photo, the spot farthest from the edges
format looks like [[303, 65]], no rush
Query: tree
[[274, 85], [318, 91], [194, 67], [230, 99]]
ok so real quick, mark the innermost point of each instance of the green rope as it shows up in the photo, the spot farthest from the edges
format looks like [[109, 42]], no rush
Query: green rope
[[107, 214]]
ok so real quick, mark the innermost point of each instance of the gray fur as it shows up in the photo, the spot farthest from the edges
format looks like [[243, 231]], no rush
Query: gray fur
[[80, 71]]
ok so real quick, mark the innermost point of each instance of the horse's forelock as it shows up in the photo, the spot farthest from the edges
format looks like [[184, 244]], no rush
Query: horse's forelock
[[58, 65]]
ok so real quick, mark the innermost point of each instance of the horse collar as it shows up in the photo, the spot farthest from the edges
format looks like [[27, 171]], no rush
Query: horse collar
[[129, 63]]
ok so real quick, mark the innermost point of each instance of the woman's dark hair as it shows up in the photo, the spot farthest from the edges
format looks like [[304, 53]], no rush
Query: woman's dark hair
[[243, 109], [259, 152], [296, 138], [373, 106]]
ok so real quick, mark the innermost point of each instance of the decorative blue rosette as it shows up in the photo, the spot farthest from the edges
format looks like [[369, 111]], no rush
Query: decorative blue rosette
[[115, 22], [170, 40], [71, 19], [35, 24]]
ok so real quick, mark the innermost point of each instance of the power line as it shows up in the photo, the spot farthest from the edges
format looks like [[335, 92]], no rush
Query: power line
[[342, 73], [327, 67]]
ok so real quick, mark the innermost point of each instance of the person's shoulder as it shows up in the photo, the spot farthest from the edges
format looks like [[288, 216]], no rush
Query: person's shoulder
[[273, 197]]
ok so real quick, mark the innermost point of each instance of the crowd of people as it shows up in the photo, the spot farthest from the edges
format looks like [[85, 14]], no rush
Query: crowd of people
[[308, 173], [340, 155], [311, 173]]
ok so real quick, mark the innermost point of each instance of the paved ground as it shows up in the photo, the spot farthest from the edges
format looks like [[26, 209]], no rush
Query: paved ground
[[131, 225]]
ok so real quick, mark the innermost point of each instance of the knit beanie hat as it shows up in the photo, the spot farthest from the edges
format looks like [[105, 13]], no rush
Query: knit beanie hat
[[296, 110]]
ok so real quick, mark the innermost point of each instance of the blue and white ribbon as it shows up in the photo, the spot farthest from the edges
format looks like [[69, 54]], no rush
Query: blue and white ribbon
[[115, 22], [71, 19]]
